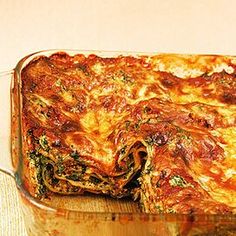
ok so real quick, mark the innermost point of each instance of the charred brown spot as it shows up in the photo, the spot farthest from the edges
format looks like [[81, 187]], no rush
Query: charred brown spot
[[211, 152], [80, 106], [168, 80], [206, 124], [168, 83], [83, 68], [107, 102], [207, 92], [181, 152], [147, 109], [163, 174], [56, 143], [202, 122], [228, 98], [70, 126], [157, 139], [55, 97], [32, 86]]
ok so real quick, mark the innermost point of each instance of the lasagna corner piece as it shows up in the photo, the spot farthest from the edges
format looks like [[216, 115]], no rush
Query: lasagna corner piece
[[159, 128]]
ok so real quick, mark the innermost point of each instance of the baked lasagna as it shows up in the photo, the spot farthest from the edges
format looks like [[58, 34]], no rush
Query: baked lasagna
[[159, 128]]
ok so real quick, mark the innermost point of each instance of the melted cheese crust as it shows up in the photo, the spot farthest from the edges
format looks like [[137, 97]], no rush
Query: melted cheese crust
[[180, 110]]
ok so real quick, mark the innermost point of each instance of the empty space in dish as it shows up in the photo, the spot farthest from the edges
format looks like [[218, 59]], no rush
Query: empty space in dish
[[93, 203]]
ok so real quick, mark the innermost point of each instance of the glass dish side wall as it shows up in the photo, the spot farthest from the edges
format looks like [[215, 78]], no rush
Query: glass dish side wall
[[41, 219]]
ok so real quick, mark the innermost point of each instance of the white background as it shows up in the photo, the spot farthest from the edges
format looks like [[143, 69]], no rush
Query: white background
[[187, 26], [176, 26]]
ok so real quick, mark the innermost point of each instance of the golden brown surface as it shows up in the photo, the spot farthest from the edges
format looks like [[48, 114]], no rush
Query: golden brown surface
[[160, 128]]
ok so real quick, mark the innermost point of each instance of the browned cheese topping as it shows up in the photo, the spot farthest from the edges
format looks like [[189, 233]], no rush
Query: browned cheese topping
[[159, 128]]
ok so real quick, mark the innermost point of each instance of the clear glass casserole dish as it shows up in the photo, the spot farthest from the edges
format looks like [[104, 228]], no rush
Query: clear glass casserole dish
[[88, 214]]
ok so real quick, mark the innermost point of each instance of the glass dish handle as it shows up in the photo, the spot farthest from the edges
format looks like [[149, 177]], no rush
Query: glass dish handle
[[5, 123]]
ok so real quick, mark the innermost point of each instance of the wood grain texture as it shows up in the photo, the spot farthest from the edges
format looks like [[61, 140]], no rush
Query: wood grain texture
[[11, 220]]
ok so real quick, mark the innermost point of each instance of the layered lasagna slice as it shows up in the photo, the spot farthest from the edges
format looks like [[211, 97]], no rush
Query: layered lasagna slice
[[158, 128]]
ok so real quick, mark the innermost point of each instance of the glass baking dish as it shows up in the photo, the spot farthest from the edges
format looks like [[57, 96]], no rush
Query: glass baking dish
[[87, 214]]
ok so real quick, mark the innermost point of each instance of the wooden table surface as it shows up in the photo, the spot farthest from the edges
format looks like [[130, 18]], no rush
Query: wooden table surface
[[176, 26], [11, 221]]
